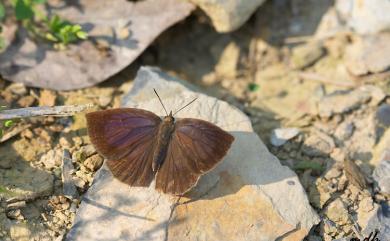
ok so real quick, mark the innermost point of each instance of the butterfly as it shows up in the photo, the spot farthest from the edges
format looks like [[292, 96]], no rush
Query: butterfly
[[140, 146]]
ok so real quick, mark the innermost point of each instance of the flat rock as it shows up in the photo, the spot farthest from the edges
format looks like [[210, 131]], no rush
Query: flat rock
[[107, 50], [369, 54], [243, 198], [227, 16]]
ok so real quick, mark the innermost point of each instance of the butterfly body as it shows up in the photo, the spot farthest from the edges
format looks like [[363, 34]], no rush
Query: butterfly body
[[140, 146], [164, 135]]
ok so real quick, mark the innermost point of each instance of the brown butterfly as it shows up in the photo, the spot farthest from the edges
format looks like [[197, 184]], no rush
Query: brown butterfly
[[139, 146]]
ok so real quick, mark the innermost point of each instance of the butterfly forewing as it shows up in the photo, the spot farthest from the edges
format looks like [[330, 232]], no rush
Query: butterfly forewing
[[196, 147], [126, 137]]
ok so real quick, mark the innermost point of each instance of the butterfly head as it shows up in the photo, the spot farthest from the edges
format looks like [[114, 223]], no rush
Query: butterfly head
[[169, 118]]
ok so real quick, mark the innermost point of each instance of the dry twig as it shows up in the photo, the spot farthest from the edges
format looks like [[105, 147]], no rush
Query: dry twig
[[42, 111]]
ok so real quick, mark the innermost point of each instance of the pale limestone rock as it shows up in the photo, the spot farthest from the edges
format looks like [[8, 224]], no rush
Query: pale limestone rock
[[229, 15], [364, 16], [280, 136], [248, 196]]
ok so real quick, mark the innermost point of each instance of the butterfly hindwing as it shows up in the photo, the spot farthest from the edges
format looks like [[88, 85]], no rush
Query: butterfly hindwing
[[126, 137], [196, 146]]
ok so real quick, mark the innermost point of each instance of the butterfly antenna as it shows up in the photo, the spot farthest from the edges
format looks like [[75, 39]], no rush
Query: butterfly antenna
[[186, 105], [160, 101]]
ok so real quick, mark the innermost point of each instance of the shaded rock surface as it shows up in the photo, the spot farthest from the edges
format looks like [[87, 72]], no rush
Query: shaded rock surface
[[380, 220], [382, 172], [106, 51], [248, 196]]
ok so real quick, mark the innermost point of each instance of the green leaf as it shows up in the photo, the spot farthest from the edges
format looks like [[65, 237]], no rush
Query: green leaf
[[82, 35], [304, 165], [253, 87], [2, 11], [51, 37], [8, 123], [76, 28], [23, 10]]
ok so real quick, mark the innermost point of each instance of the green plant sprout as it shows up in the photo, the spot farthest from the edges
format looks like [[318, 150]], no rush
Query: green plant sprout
[[63, 32], [253, 87], [53, 29], [5, 124]]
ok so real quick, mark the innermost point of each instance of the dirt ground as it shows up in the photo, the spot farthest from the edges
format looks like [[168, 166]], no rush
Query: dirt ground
[[272, 68]]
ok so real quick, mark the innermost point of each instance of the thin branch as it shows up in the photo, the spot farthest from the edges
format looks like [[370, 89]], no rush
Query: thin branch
[[42, 111]]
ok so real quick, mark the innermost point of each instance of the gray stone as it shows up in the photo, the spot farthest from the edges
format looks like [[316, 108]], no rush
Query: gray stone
[[69, 188], [380, 220], [382, 172], [225, 15], [248, 189], [280, 136]]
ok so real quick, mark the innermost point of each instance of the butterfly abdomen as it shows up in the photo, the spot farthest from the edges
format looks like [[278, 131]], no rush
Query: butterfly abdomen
[[165, 131]]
